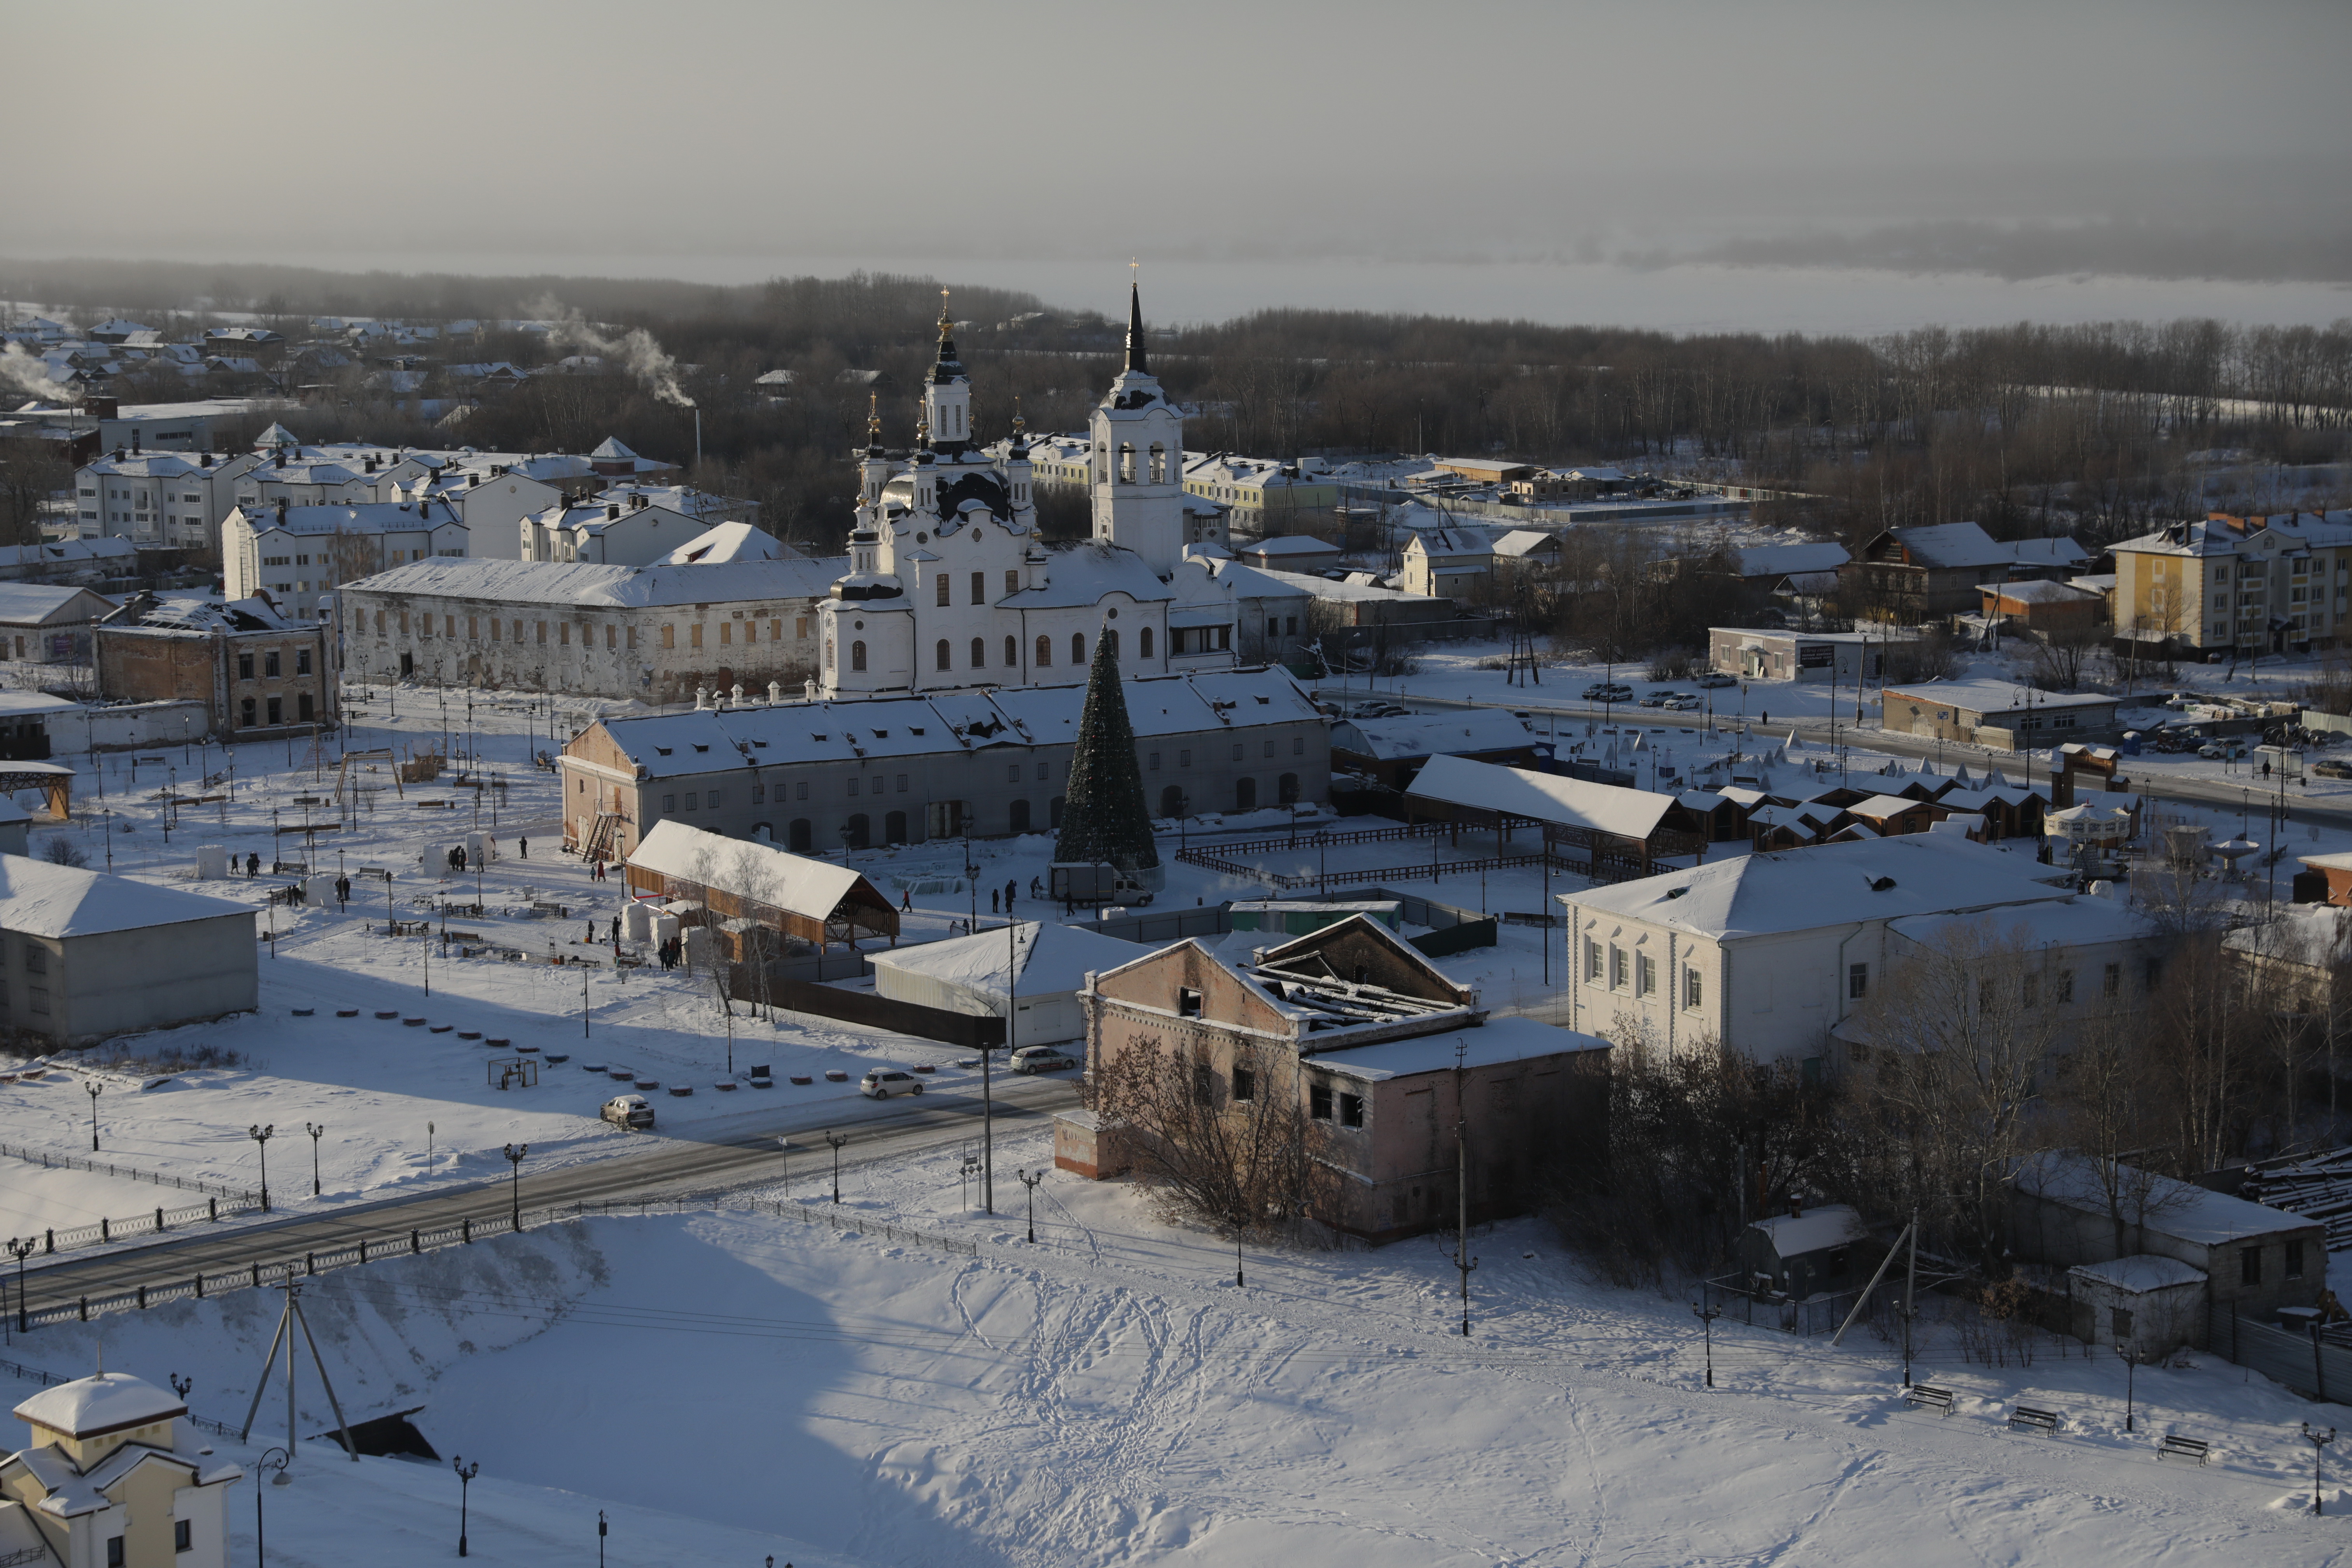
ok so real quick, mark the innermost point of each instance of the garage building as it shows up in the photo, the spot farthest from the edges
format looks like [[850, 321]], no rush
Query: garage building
[[71, 937]]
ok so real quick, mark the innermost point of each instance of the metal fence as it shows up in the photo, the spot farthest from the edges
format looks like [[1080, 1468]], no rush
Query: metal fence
[[48, 1161], [112, 1230], [261, 1273], [2305, 1363], [1813, 1315]]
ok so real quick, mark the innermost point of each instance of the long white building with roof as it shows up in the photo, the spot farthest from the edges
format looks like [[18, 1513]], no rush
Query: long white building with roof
[[1769, 954], [728, 609], [814, 776]]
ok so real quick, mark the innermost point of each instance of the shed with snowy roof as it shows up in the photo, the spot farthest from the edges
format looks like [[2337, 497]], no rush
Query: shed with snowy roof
[[2068, 1209], [1047, 963], [747, 884], [71, 935], [2149, 1305], [1806, 1252]]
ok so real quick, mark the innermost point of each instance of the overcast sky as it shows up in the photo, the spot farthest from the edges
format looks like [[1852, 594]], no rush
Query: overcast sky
[[561, 134]]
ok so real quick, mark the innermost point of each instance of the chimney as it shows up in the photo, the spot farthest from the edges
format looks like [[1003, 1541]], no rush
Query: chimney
[[281, 459], [134, 441], [613, 511], [1795, 1206], [204, 460]]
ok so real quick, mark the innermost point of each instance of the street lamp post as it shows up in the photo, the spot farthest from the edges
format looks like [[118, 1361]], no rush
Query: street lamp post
[[465, 1474], [261, 1136], [1706, 1317], [836, 1140], [2129, 1354], [276, 1459], [94, 1090], [314, 1129], [514, 1153], [2318, 1437], [20, 1247], [1031, 1181]]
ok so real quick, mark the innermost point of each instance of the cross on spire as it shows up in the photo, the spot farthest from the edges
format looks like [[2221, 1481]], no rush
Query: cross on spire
[[1137, 360]]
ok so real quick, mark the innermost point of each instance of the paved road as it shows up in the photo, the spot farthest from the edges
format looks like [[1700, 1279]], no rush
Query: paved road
[[2333, 809], [671, 1167]]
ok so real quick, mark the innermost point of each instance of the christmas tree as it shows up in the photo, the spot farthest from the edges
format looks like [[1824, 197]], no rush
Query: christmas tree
[[1103, 815]]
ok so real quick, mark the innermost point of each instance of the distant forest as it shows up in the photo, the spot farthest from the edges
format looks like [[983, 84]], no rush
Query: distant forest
[[2026, 429]]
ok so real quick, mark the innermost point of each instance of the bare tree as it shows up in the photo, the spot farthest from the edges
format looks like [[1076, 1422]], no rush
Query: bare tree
[[1224, 1146]]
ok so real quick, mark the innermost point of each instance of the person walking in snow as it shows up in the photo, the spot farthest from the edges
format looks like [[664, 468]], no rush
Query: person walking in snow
[[1011, 886], [616, 934], [253, 865], [907, 899], [992, 900], [1036, 888], [524, 846]]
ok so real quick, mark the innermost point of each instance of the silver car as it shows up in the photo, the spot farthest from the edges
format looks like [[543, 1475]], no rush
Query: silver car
[[1041, 1058], [881, 1083]]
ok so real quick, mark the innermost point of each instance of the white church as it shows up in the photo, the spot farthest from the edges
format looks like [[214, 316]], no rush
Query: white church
[[951, 584]]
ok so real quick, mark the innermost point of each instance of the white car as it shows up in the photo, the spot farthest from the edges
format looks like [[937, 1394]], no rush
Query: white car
[[1041, 1058], [630, 1112], [1684, 703], [881, 1083]]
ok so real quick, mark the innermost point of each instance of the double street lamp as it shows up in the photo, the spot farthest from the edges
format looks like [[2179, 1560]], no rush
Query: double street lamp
[[261, 1136]]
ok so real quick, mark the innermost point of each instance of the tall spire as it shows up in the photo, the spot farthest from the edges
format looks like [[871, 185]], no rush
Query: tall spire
[[873, 425], [1135, 350], [948, 365]]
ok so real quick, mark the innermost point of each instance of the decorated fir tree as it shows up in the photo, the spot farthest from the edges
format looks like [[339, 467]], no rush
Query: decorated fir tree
[[1103, 814]]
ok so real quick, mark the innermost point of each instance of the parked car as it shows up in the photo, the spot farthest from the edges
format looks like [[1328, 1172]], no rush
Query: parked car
[[2221, 751], [1715, 678], [2332, 768], [881, 1083], [1041, 1058], [631, 1112], [1658, 698], [1684, 702], [1608, 691]]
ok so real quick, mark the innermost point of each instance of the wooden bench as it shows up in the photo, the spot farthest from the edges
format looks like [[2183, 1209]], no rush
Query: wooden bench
[[2026, 1415], [1937, 1399], [2177, 1446]]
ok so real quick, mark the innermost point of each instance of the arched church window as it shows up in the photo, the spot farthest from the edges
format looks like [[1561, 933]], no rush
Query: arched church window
[[1011, 652], [943, 591], [1045, 652], [1143, 643], [858, 656], [1126, 464], [979, 653], [1077, 647], [1110, 643], [942, 653], [1159, 464]]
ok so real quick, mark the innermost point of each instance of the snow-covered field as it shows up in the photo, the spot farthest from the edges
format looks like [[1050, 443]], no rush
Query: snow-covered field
[[727, 1384]]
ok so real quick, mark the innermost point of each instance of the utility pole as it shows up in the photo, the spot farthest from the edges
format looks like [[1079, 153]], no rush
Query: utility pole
[[1462, 1258]]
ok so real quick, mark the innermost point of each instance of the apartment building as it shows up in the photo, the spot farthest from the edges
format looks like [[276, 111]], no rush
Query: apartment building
[[159, 501], [299, 555], [2255, 584]]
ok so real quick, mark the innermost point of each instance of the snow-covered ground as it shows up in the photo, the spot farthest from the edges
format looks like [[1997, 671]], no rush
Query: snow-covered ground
[[725, 1384]]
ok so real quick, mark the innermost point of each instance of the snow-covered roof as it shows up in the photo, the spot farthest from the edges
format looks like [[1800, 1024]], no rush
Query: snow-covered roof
[[1984, 696], [1054, 959], [1786, 560], [587, 583], [2042, 592], [2057, 551], [1324, 588], [2140, 1273], [201, 615], [1879, 805], [1831, 1225], [40, 898], [2181, 1210], [610, 450], [23, 704], [2080, 921], [742, 869], [948, 722], [1505, 1038], [349, 517], [728, 544], [1289, 546], [93, 1406], [1832, 884], [1945, 544], [1433, 734], [30, 604], [1544, 797], [1079, 573], [1521, 542]]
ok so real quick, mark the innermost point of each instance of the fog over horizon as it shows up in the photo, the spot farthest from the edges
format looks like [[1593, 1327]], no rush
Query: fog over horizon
[[717, 140]]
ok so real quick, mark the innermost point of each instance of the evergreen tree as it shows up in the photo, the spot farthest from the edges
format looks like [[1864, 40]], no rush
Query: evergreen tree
[[1103, 815]]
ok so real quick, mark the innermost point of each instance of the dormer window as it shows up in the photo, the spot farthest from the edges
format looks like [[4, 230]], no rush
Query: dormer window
[[701, 748], [663, 750]]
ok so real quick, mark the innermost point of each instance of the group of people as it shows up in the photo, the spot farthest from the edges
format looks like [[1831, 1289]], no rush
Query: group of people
[[672, 952]]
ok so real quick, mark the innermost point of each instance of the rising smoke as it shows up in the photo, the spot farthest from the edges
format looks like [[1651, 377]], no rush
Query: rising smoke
[[30, 372], [646, 359]]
